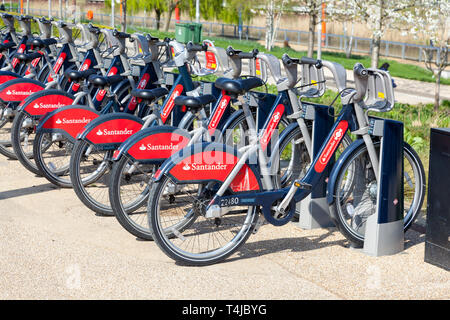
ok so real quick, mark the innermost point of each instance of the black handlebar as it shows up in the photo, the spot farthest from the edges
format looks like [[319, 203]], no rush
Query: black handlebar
[[303, 60], [307, 60], [150, 38], [242, 55], [288, 61], [44, 20], [25, 18], [119, 34], [196, 47], [93, 29], [359, 70]]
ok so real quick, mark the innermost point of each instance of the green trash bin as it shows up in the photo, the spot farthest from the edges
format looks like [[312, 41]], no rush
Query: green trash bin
[[185, 32], [197, 37]]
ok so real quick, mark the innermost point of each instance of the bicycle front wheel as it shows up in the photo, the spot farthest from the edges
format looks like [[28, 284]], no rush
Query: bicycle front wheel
[[89, 172], [128, 193], [178, 222], [22, 135], [6, 121]]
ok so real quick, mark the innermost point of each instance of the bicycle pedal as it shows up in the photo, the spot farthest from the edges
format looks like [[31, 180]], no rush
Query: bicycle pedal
[[302, 185]]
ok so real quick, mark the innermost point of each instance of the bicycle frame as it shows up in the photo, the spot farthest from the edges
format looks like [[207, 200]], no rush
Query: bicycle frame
[[349, 119]]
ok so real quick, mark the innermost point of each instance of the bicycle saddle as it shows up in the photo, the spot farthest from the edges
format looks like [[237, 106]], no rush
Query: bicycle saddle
[[6, 46], [149, 95], [238, 87], [28, 57], [41, 43], [78, 76], [194, 102], [101, 81]]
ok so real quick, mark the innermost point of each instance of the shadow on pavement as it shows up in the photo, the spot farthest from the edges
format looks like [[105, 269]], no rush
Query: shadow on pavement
[[297, 244], [26, 191], [300, 244], [413, 238]]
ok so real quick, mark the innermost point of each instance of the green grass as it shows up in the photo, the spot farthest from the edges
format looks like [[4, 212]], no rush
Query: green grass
[[396, 69]]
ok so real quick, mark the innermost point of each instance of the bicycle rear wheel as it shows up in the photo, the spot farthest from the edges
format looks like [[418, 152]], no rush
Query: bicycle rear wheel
[[22, 136], [51, 153], [89, 173], [6, 121], [356, 192], [128, 193]]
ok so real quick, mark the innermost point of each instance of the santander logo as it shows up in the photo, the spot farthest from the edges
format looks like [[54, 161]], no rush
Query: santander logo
[[20, 93], [107, 132], [158, 147], [47, 105], [335, 140], [204, 167], [167, 110], [170, 103], [218, 114], [72, 121], [331, 146], [276, 117]]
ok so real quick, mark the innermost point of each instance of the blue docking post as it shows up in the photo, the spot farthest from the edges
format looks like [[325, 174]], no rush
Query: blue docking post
[[384, 230], [314, 212]]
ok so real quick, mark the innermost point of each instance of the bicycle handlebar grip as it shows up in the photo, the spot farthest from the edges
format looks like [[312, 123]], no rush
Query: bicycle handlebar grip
[[25, 18], [288, 61], [242, 55], [246, 55], [361, 78], [93, 29], [307, 60], [196, 47], [119, 34], [231, 52], [150, 38], [44, 20]]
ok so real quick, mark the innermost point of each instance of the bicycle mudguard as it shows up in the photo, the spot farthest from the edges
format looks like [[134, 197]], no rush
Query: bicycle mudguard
[[204, 162], [68, 121], [8, 75], [154, 144], [109, 131], [45, 101], [17, 90], [337, 166]]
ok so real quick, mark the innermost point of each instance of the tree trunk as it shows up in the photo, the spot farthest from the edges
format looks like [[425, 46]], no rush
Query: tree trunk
[[376, 38], [437, 88], [158, 18], [170, 8], [167, 23], [375, 51], [269, 25], [311, 32], [348, 51], [124, 16]]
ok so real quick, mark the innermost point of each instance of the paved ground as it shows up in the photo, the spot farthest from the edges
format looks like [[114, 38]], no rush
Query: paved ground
[[52, 247]]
